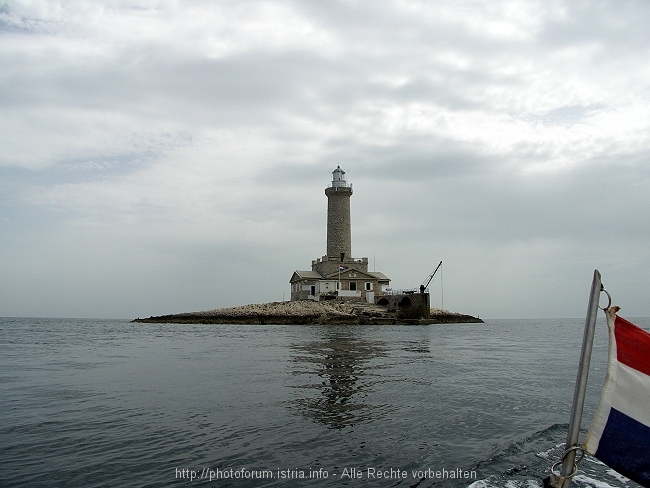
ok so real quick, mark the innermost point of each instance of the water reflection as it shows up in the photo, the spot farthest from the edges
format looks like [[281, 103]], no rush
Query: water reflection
[[339, 369]]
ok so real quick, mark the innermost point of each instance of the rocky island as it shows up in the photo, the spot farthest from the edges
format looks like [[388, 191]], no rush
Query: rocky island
[[305, 312], [338, 289]]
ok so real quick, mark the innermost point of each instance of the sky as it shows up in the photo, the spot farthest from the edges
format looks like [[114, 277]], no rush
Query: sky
[[167, 156]]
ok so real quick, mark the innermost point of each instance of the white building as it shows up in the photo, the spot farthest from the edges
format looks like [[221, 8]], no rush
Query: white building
[[338, 274]]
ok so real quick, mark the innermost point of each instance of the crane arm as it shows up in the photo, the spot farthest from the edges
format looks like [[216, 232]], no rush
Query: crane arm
[[424, 285]]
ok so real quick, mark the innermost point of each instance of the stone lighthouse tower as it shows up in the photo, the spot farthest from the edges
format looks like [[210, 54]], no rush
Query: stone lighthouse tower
[[339, 235], [338, 275]]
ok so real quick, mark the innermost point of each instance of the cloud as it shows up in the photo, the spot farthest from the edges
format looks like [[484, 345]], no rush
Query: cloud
[[186, 146]]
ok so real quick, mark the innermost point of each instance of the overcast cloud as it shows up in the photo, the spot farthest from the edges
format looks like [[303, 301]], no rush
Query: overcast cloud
[[168, 156]]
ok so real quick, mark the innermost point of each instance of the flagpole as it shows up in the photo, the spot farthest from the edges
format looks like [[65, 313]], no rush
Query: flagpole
[[568, 464], [340, 266], [339, 293]]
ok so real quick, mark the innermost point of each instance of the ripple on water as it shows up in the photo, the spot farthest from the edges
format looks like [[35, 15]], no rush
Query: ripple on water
[[108, 403]]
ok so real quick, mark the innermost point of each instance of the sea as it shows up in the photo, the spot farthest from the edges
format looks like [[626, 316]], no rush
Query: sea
[[103, 403]]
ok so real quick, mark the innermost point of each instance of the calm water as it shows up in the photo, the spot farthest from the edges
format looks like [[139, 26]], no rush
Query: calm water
[[110, 403]]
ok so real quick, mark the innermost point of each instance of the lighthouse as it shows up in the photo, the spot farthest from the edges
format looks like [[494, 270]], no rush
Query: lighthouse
[[339, 233], [338, 275]]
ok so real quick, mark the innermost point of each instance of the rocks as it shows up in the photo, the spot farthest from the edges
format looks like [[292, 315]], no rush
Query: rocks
[[446, 317], [304, 312]]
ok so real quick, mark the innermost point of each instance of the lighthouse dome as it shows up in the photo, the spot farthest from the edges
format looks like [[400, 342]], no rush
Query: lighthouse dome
[[338, 178]]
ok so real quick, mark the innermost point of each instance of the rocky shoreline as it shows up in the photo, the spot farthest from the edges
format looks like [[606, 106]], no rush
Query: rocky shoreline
[[306, 312]]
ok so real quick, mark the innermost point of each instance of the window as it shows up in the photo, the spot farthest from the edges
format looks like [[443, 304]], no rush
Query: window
[[368, 285], [312, 290], [353, 285]]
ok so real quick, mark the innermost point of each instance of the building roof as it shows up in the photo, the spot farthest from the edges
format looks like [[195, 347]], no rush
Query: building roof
[[301, 275], [378, 275], [371, 274], [315, 275]]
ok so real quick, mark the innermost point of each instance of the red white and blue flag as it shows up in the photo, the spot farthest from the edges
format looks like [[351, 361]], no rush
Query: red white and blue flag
[[341, 268], [620, 433]]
